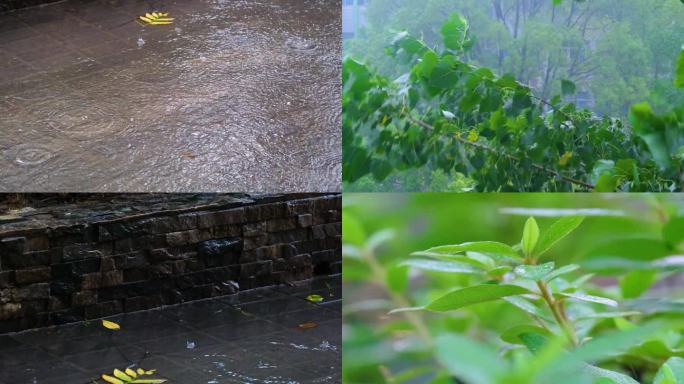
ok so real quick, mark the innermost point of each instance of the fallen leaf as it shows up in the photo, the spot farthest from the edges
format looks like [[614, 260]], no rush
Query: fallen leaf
[[308, 325], [188, 155], [157, 18], [122, 376], [315, 298], [111, 380], [131, 373], [111, 325]]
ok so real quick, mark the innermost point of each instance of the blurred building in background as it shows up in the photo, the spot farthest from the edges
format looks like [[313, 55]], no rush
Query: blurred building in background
[[353, 17]]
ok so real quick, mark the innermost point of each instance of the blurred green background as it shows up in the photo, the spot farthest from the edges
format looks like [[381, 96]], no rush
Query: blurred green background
[[382, 348]]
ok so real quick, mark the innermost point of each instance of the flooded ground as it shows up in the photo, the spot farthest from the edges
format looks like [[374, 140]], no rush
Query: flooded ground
[[235, 95], [254, 338]]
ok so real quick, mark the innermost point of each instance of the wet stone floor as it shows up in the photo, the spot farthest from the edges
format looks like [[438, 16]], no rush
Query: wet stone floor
[[254, 337], [234, 95]]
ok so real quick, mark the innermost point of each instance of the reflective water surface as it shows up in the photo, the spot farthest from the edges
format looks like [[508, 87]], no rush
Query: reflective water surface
[[253, 337], [235, 95]]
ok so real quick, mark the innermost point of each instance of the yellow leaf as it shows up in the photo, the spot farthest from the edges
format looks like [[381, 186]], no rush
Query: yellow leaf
[[122, 375], [141, 371], [155, 14], [308, 325], [563, 161], [131, 373], [111, 325], [315, 298], [149, 381], [150, 16], [111, 380], [164, 14], [161, 23], [145, 19], [150, 372], [473, 135]]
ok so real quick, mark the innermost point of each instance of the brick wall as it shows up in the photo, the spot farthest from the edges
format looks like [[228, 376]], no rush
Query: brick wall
[[96, 269]]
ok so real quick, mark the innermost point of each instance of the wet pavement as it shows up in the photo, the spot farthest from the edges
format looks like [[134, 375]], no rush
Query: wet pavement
[[253, 337], [235, 95]]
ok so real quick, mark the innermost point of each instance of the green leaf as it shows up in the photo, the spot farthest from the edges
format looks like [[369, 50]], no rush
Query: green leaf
[[487, 247], [528, 307], [651, 129], [455, 32], [673, 231], [590, 298], [474, 295], [608, 377], [352, 230], [531, 336], [634, 283], [442, 266], [561, 271], [471, 361], [534, 272], [657, 349], [651, 306], [568, 87], [613, 343], [607, 315], [499, 271], [557, 231], [672, 372], [530, 236], [679, 70]]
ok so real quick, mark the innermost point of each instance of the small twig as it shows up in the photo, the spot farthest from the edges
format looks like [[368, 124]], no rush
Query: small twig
[[508, 156], [558, 313]]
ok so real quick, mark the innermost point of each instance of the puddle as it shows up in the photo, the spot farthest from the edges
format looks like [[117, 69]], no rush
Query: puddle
[[251, 88]]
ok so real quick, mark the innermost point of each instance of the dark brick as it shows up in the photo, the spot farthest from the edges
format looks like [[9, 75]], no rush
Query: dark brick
[[29, 292], [10, 311], [84, 298], [133, 260], [6, 279], [214, 253], [79, 252], [305, 220], [135, 274], [183, 237], [26, 260], [32, 275]]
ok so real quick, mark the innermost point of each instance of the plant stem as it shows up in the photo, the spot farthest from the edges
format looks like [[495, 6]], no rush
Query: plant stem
[[508, 156], [558, 313]]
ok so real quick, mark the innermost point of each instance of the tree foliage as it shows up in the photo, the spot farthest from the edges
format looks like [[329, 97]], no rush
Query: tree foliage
[[448, 114]]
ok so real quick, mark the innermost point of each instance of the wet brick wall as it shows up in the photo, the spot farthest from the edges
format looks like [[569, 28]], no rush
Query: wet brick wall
[[86, 271]]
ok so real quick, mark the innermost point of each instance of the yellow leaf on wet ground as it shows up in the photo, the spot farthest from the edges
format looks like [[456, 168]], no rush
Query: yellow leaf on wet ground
[[131, 373], [157, 18], [308, 325], [122, 376], [112, 380], [111, 325], [315, 298]]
